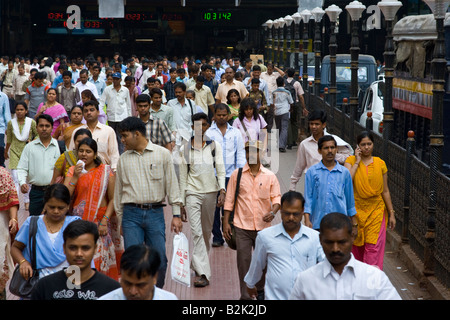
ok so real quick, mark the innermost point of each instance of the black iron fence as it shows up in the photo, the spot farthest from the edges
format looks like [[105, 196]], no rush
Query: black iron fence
[[408, 184]]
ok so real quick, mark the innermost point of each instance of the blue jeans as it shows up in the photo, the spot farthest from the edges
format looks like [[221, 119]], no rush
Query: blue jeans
[[146, 226]]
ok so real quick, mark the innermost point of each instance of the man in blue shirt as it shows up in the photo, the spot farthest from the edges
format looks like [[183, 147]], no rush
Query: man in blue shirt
[[284, 250], [328, 187], [230, 139]]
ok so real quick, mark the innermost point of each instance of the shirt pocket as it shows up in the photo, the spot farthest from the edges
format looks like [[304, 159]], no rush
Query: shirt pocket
[[263, 190], [338, 189], [156, 171]]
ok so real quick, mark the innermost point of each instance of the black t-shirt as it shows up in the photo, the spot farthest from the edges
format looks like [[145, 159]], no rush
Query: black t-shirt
[[54, 287]]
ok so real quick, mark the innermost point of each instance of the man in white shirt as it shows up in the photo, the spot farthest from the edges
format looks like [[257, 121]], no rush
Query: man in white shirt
[[284, 250], [183, 110], [340, 276], [84, 84], [118, 105], [139, 267]]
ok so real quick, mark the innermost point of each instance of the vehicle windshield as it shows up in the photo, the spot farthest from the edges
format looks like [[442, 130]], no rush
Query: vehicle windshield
[[344, 74]]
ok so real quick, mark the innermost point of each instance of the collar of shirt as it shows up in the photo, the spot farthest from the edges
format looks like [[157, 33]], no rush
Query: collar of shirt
[[260, 170], [52, 142], [328, 269], [150, 118], [150, 147], [282, 232], [337, 167]]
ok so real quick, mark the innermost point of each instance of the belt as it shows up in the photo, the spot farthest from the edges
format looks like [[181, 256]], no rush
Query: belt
[[42, 188], [146, 205]]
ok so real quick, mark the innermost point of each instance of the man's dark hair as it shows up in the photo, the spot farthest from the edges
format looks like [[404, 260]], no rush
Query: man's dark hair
[[151, 80], [80, 227], [45, 117], [256, 68], [199, 116], [155, 91], [67, 73], [324, 139], [133, 124], [290, 72], [255, 81], [179, 85], [200, 78], [91, 103], [318, 115], [336, 221], [84, 71], [140, 260], [280, 81], [143, 98], [39, 75], [290, 196], [221, 106]]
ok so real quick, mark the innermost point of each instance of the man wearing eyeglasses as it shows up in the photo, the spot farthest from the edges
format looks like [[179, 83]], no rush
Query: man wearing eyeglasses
[[284, 249]]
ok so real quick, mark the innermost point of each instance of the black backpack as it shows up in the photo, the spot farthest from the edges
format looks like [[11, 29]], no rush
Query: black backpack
[[289, 86]]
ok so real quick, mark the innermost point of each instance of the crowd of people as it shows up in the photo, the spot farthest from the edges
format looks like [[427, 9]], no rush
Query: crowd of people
[[97, 148]]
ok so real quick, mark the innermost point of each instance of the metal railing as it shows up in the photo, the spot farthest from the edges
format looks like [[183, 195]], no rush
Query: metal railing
[[408, 184]]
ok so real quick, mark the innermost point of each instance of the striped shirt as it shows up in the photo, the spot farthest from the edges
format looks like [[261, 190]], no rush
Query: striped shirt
[[146, 178], [158, 131]]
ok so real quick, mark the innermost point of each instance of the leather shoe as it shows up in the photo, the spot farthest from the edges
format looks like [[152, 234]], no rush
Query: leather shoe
[[201, 282]]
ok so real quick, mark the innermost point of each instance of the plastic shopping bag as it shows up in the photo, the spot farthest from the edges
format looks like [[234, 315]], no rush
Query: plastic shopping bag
[[180, 267]]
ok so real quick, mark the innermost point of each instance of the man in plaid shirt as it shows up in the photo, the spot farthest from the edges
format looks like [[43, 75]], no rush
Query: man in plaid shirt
[[157, 130]]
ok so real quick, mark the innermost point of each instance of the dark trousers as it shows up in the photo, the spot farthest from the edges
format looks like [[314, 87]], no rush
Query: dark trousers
[[218, 214], [268, 117], [36, 202], [115, 126], [2, 150], [245, 243]]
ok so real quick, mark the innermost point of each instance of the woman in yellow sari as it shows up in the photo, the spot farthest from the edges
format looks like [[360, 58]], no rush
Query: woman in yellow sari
[[91, 183], [372, 202]]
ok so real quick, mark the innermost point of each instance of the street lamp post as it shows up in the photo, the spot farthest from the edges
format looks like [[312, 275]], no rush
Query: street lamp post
[[275, 42], [306, 15], [333, 13], [317, 14], [281, 24], [438, 66], [288, 19], [355, 10], [389, 9], [269, 24], [297, 18], [265, 41]]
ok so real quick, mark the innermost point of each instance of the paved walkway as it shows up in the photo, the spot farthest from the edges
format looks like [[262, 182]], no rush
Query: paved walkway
[[224, 284]]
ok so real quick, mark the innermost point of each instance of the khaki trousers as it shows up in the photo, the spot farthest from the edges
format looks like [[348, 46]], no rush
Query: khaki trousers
[[200, 208]]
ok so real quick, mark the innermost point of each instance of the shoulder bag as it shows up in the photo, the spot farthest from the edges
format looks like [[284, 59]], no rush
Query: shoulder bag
[[232, 242], [18, 285]]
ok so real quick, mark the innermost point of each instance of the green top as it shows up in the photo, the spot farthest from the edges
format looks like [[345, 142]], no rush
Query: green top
[[16, 146]]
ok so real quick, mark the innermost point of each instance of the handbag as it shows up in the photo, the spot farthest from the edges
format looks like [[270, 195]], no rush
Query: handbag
[[18, 285], [232, 242]]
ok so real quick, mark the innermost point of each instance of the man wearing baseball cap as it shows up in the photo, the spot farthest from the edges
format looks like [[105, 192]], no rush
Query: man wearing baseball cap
[[252, 213]]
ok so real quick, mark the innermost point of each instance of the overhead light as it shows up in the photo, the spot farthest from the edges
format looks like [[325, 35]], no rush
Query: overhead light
[[144, 40], [102, 40]]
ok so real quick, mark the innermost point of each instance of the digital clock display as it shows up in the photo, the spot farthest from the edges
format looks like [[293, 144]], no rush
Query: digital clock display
[[216, 16]]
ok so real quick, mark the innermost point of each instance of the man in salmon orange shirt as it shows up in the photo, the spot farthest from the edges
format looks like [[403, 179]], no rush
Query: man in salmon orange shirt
[[258, 200]]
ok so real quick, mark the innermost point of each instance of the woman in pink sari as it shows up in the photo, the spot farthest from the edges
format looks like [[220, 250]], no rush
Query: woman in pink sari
[[53, 109], [91, 184]]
